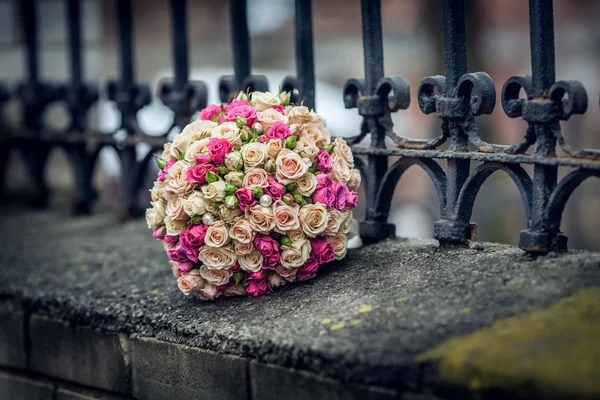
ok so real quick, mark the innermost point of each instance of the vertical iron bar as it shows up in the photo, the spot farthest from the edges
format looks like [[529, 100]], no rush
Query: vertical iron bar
[[455, 42], [541, 28], [372, 43], [28, 16], [125, 40], [180, 45], [240, 39], [305, 64], [73, 17]]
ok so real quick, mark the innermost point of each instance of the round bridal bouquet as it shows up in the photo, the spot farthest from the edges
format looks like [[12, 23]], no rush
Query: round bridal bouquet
[[252, 195]]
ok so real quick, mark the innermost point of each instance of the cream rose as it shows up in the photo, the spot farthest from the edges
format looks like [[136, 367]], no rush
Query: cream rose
[[234, 161], [264, 100], [254, 155], [334, 222], [286, 217], [166, 153], [155, 192], [290, 167], [191, 282], [274, 147], [216, 277], [200, 129], [295, 255], [270, 166], [296, 235], [175, 208], [307, 184], [340, 170], [313, 219], [180, 144], [235, 290], [234, 178], [268, 117], [255, 177], [354, 180], [174, 268], [217, 235], [306, 148], [289, 274], [276, 280], [317, 134], [260, 218], [175, 179], [347, 222], [242, 231], [339, 242], [209, 292], [153, 219], [341, 149], [217, 257], [196, 148], [229, 131], [174, 226], [229, 215], [299, 115], [252, 261], [242, 248], [194, 204], [214, 191]]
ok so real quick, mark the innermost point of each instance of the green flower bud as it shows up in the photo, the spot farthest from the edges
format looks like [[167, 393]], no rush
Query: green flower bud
[[288, 199], [328, 148], [181, 155], [286, 241], [234, 161], [238, 276], [242, 96], [257, 192], [246, 134], [286, 100], [211, 177], [222, 169], [196, 219], [290, 187], [308, 200], [290, 142], [241, 122], [313, 168], [231, 201], [160, 162], [230, 189], [297, 198]]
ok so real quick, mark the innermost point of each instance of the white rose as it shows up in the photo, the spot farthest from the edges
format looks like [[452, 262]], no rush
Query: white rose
[[252, 261], [264, 100], [199, 129], [196, 148], [229, 215], [156, 190], [334, 222], [217, 257], [216, 277], [180, 144], [215, 191], [234, 178], [229, 131], [166, 153], [254, 155], [194, 204], [217, 235], [339, 242], [354, 181], [295, 255], [153, 219], [307, 184], [234, 161], [176, 182], [174, 226], [306, 148], [347, 222]]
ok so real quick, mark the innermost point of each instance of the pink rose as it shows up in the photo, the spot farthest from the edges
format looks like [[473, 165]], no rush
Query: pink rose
[[269, 248], [180, 256], [192, 238], [218, 148], [323, 180], [271, 261], [197, 173], [279, 108], [325, 195], [245, 198], [323, 160], [256, 276], [322, 250], [159, 234], [258, 288], [263, 139], [308, 269], [341, 195], [242, 110], [170, 239], [274, 189], [279, 130], [210, 112], [202, 158], [237, 102], [352, 200], [162, 174]]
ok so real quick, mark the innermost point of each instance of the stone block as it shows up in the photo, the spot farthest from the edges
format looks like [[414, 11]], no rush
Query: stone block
[[17, 387], [77, 354], [76, 393], [271, 382], [163, 370], [12, 336]]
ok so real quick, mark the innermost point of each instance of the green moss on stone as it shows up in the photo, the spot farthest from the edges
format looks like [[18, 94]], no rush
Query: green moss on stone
[[552, 352]]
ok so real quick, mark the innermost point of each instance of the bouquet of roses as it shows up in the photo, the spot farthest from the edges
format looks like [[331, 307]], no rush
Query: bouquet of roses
[[252, 195]]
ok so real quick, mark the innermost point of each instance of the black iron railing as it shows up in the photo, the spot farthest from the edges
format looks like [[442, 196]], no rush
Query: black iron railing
[[457, 98]]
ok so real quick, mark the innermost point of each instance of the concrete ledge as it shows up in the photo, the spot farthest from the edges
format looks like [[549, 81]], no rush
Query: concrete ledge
[[79, 354], [14, 386], [12, 336]]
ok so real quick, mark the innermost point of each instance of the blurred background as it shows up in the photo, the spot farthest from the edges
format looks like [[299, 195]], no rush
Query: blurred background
[[498, 43]]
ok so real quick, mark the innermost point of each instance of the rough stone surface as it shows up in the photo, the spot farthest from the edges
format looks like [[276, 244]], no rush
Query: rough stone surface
[[14, 386], [79, 354], [362, 320], [77, 393], [270, 382], [12, 336], [165, 370]]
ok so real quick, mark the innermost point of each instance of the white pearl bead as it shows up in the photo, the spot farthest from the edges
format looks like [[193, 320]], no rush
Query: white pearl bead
[[265, 200], [257, 127], [208, 219]]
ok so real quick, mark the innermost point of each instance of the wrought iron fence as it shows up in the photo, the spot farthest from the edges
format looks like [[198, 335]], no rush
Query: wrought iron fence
[[457, 98]]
